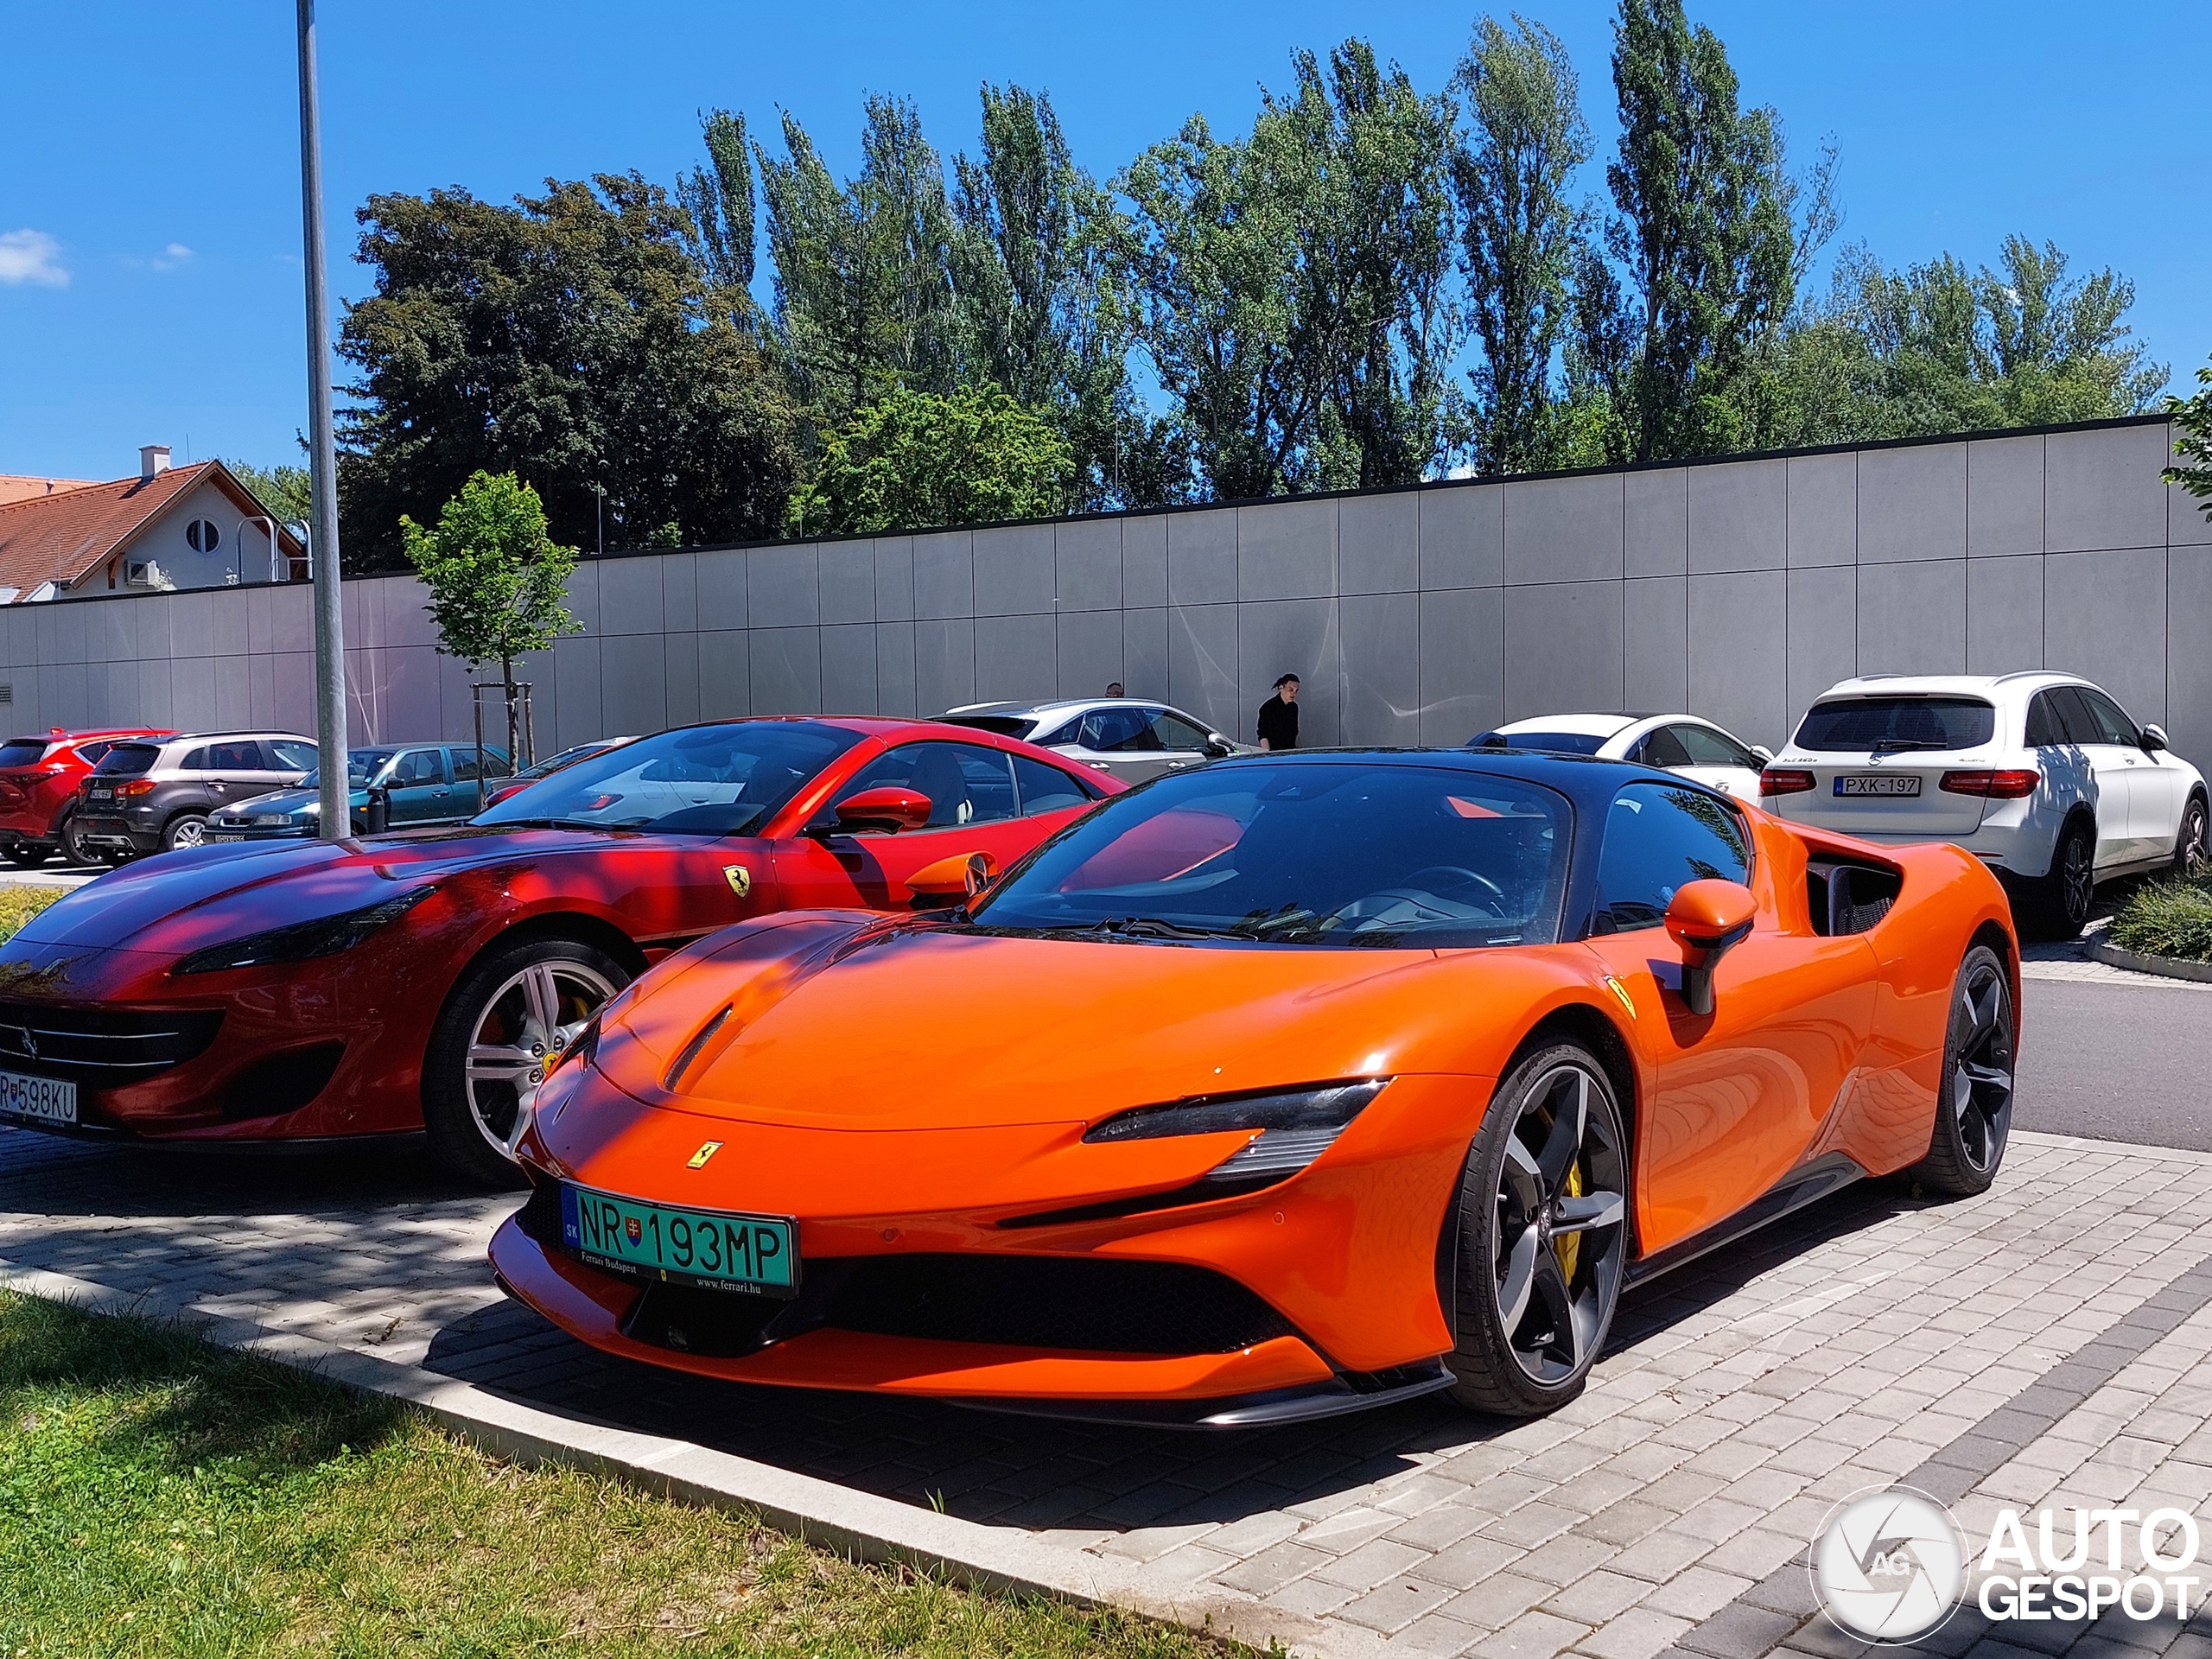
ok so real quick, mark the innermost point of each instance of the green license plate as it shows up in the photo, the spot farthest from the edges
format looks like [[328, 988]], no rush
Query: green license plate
[[712, 1247]]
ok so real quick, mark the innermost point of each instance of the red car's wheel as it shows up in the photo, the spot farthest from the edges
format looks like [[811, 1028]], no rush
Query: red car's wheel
[[512, 1011], [1973, 1103], [1543, 1236]]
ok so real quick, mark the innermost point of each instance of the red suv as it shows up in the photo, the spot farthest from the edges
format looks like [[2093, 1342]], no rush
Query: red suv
[[38, 792]]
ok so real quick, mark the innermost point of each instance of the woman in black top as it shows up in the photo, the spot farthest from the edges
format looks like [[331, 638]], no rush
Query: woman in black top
[[1279, 716]]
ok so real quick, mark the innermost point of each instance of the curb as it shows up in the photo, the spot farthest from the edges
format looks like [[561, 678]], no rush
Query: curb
[[2164, 967], [857, 1524]]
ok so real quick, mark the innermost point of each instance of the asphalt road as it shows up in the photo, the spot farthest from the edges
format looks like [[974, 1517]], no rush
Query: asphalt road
[[2116, 1062]]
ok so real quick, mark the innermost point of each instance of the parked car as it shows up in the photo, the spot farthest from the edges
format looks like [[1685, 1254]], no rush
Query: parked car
[[39, 780], [425, 980], [1372, 1074], [1696, 748], [153, 795], [1129, 738], [421, 784], [2042, 776], [568, 756]]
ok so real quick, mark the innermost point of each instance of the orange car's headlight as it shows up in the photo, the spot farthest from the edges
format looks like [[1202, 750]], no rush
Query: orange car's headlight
[[1294, 1127]]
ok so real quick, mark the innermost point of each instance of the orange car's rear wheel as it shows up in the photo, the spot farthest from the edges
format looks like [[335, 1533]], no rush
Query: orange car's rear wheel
[[1973, 1103], [1543, 1236]]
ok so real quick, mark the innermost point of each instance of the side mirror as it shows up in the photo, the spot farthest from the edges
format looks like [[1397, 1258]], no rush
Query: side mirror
[[1765, 754], [889, 810], [1708, 920], [1219, 748], [951, 881], [2154, 739]]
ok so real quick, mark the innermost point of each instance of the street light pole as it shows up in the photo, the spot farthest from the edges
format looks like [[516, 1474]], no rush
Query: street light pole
[[329, 610]]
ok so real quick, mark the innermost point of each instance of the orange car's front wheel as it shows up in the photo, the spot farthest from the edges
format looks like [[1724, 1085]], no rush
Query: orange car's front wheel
[[1543, 1235]]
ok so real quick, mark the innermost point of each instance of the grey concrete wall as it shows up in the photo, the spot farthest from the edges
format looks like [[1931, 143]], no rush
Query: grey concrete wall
[[1735, 589]]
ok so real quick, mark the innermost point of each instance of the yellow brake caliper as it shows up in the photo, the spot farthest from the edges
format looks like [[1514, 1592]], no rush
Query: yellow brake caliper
[[1570, 1246]]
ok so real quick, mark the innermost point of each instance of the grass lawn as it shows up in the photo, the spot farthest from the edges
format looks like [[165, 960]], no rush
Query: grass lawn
[[19, 905], [161, 1496]]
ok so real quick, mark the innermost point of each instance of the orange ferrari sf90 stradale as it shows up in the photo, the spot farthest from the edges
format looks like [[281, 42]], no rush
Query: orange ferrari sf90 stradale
[[1285, 1086]]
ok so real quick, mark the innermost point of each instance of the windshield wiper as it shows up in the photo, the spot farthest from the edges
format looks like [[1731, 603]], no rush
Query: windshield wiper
[[1891, 745], [1140, 927]]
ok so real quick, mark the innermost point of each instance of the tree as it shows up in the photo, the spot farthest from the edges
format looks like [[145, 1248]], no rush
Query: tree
[[1519, 235], [1707, 237], [285, 492], [2193, 441], [568, 339], [864, 297], [719, 198], [914, 460], [496, 580]]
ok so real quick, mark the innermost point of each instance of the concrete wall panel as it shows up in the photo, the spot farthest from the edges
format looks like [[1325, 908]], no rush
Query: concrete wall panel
[[632, 592], [1463, 536], [945, 663], [783, 589], [895, 578], [2004, 497], [1655, 529], [1823, 509], [1015, 572], [720, 579], [1739, 516], [1144, 561], [1088, 653], [1823, 634], [1912, 503], [894, 669], [1202, 666], [1563, 529], [1291, 636], [1379, 688], [634, 679], [944, 575], [1202, 557], [1144, 652], [1087, 559], [1739, 652], [1287, 550], [2189, 671], [579, 720], [2104, 618], [2102, 489], [846, 572], [786, 670], [2004, 614], [849, 668], [1655, 643], [1912, 618], [1378, 546], [1563, 649], [725, 674], [1462, 664], [1015, 658]]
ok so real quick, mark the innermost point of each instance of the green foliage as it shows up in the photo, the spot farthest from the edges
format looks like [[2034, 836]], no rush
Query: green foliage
[[159, 1496], [497, 581], [1705, 237], [19, 904], [719, 198], [286, 493], [914, 459], [2167, 918], [2193, 441], [569, 338], [1520, 235]]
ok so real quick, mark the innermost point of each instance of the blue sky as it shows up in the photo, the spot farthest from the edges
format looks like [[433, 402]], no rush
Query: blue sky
[[150, 276]]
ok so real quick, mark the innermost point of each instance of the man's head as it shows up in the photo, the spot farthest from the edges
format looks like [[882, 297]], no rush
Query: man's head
[[1286, 688], [1115, 689]]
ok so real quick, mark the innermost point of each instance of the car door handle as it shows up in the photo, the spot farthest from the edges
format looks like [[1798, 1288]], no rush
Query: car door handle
[[442, 792]]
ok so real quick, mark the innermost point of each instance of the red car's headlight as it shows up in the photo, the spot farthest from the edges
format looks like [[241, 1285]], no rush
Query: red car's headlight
[[302, 941]]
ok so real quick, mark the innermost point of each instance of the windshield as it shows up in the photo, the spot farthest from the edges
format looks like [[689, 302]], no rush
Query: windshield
[[21, 752], [1302, 852], [1882, 725], [1004, 725], [1548, 742], [697, 780], [128, 760], [362, 767]]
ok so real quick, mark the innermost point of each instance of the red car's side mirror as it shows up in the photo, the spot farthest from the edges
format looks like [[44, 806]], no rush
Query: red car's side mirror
[[889, 809], [1708, 920]]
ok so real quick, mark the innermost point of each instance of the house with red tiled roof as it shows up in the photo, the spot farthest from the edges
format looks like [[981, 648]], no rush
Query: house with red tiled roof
[[169, 528], [20, 486]]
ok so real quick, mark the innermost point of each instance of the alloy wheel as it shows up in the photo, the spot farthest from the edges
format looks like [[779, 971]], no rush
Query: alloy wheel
[[2077, 867], [1561, 1218], [2195, 842], [525, 1023], [1981, 1069], [186, 832]]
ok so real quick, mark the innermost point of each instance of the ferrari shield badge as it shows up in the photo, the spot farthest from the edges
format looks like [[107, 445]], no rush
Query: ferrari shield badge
[[740, 879], [699, 1158]]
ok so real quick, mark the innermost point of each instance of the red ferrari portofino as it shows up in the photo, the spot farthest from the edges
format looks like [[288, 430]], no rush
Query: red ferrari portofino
[[302, 991]]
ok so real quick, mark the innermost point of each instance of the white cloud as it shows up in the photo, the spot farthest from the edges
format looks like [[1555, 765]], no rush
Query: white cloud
[[31, 257], [173, 256]]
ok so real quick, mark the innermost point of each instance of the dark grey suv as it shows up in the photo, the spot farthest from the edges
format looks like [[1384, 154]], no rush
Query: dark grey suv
[[156, 795]]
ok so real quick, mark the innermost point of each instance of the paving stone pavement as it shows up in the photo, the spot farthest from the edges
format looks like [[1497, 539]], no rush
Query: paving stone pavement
[[1876, 1336]]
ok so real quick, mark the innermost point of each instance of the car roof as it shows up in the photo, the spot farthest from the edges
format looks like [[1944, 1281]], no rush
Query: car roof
[[1967, 685], [1580, 725], [1584, 779], [1038, 710]]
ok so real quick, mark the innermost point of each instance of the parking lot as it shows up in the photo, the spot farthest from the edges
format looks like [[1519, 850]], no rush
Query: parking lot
[[2043, 1342]]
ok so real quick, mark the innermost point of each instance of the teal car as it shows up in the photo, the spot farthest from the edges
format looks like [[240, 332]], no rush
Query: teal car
[[423, 784]]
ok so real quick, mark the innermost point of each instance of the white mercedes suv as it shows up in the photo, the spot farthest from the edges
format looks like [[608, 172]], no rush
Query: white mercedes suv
[[2042, 776]]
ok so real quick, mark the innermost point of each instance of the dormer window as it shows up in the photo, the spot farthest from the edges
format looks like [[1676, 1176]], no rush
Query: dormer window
[[203, 535]]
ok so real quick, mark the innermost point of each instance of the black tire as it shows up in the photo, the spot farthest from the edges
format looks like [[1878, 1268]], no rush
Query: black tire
[[1533, 1300], [470, 1108], [1973, 1101], [2058, 903], [2193, 847], [74, 850], [186, 831], [26, 857]]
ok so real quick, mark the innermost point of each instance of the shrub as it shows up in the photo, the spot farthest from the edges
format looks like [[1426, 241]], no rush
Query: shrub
[[2167, 918]]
